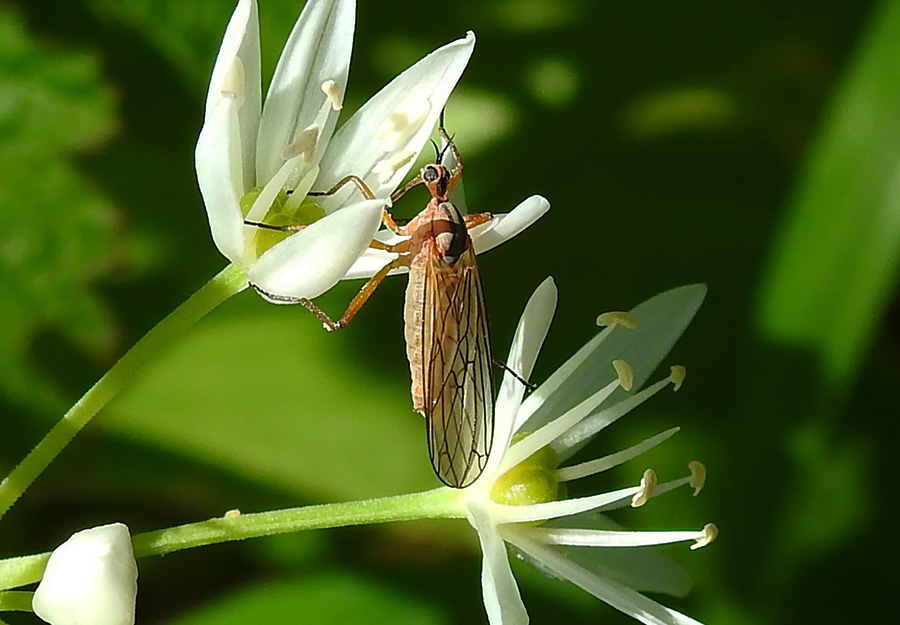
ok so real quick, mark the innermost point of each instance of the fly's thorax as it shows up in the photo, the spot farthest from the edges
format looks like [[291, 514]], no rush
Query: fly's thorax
[[440, 229]]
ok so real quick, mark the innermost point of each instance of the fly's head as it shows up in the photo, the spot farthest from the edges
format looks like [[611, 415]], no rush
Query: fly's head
[[437, 179]]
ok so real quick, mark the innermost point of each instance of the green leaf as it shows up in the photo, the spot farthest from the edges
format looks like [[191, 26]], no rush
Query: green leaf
[[325, 598], [836, 258], [270, 395], [57, 235]]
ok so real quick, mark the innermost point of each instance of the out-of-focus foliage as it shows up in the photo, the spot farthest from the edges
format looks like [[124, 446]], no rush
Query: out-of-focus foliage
[[749, 146]]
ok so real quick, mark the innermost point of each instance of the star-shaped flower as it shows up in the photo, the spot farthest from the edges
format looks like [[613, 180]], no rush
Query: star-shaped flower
[[517, 498], [258, 162]]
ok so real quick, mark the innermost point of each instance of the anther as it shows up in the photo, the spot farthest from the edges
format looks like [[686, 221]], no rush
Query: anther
[[625, 373], [333, 92], [622, 319], [709, 534], [233, 84], [303, 144], [677, 376], [698, 476], [648, 483], [386, 168]]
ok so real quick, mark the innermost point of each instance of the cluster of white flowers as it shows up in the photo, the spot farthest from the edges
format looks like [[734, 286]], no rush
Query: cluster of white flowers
[[258, 162]]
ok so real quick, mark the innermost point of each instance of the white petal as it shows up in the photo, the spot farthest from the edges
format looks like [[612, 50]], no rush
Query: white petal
[[504, 227], [618, 596], [395, 123], [310, 262], [91, 579], [236, 76], [218, 161], [502, 600], [318, 50], [660, 321], [526, 344]]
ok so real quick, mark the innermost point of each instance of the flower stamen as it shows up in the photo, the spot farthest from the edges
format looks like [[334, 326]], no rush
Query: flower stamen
[[304, 144], [708, 534], [617, 318], [591, 467], [625, 374], [648, 483], [333, 91], [698, 476], [677, 376], [233, 83]]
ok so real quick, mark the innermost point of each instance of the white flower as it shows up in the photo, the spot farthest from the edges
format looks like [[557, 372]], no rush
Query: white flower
[[516, 499], [258, 162], [91, 579]]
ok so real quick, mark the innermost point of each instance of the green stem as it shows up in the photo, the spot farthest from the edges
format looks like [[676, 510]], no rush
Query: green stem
[[228, 282], [443, 503], [15, 601]]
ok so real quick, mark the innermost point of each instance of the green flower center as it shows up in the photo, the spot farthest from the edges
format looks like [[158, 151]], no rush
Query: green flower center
[[282, 212], [531, 481]]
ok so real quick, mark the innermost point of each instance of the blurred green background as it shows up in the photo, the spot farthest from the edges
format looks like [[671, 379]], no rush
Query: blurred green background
[[752, 146]]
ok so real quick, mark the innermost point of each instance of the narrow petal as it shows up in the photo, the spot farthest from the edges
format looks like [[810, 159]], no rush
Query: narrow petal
[[317, 51], [504, 227], [218, 160], [383, 139], [236, 76], [526, 344], [660, 321], [502, 600], [618, 596], [311, 261]]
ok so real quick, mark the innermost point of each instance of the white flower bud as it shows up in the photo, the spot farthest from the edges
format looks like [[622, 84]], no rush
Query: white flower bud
[[91, 579]]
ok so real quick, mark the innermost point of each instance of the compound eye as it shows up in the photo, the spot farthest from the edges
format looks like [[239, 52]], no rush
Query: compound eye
[[430, 174]]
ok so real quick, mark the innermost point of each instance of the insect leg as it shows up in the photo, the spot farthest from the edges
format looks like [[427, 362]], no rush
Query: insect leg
[[409, 185], [457, 172], [528, 385], [476, 219], [351, 179], [286, 228], [355, 304]]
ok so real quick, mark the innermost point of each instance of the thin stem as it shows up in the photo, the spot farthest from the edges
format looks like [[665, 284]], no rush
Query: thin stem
[[439, 503], [228, 282], [15, 601]]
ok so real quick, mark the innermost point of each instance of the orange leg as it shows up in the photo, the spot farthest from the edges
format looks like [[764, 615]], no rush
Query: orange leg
[[355, 304], [476, 219]]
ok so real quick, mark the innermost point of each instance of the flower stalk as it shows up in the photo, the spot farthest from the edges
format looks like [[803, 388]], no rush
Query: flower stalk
[[441, 503], [228, 282]]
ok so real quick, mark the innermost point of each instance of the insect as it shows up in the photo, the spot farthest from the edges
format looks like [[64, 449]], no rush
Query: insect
[[446, 325]]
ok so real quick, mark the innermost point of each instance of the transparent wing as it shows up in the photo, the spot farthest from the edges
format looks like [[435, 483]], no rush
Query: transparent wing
[[458, 385]]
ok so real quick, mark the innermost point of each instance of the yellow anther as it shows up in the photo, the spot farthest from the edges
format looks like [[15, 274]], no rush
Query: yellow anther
[[233, 85], [233, 514], [677, 376], [333, 92], [303, 144], [698, 476], [709, 534], [617, 318], [386, 168], [400, 125], [648, 483], [625, 373]]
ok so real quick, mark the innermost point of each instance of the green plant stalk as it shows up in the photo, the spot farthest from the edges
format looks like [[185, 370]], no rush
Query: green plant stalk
[[443, 503], [228, 282], [15, 601]]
